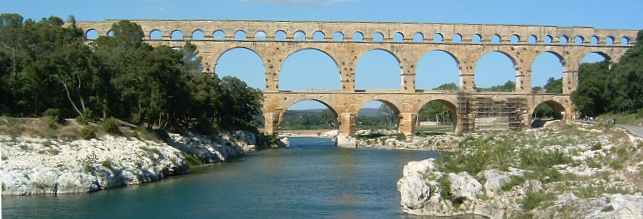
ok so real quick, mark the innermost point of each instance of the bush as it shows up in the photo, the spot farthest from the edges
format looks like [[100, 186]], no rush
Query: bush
[[54, 114], [88, 132], [110, 125]]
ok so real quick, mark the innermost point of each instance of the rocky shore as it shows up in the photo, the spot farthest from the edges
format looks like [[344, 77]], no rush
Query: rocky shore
[[393, 140], [579, 171], [38, 165]]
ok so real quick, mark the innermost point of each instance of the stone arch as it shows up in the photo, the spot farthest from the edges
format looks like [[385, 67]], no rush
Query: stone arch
[[358, 66], [563, 39], [110, 33], [418, 37], [452, 115], [261, 35], [198, 34], [533, 39], [476, 38], [325, 53], [609, 40], [280, 35], [418, 65], [91, 34], [603, 54], [299, 35], [457, 38], [439, 38], [176, 35], [496, 39], [558, 108], [240, 35], [384, 101], [358, 36], [319, 36], [398, 37], [512, 60], [291, 102], [378, 37], [515, 39], [155, 34], [251, 50], [548, 39], [218, 35], [338, 36], [533, 74], [595, 40]]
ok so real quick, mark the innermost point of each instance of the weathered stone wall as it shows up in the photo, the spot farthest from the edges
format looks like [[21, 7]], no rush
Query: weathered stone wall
[[273, 51]]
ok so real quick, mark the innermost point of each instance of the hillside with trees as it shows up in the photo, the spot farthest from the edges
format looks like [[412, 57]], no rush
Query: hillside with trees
[[46, 67]]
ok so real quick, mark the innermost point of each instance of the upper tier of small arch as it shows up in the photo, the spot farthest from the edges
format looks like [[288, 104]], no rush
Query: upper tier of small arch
[[389, 30]]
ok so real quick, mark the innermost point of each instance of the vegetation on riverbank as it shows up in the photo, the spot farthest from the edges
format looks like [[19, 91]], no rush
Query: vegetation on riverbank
[[530, 173], [47, 68]]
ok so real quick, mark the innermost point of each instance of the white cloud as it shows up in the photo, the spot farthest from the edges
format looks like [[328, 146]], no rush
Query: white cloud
[[300, 2]]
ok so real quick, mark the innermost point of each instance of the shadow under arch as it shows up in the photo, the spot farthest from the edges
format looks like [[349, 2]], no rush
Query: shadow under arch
[[544, 111], [437, 116], [217, 62], [316, 50], [289, 105], [395, 110]]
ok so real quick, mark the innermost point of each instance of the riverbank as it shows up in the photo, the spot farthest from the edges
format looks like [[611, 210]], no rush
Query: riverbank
[[39, 159], [577, 171]]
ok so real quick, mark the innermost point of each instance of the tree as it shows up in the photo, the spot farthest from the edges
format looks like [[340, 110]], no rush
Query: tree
[[554, 86], [506, 87], [448, 86]]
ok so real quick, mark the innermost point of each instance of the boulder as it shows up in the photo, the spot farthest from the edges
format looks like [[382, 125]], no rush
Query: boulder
[[605, 206], [414, 188], [464, 185]]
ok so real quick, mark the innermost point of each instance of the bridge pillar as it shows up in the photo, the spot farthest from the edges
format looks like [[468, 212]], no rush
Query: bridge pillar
[[407, 123], [570, 81], [271, 123], [467, 81], [347, 123]]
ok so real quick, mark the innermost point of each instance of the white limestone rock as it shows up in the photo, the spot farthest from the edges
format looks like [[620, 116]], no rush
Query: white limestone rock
[[464, 185]]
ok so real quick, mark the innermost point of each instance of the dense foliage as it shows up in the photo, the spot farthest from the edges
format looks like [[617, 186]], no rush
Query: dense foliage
[[612, 87], [309, 119], [47, 64], [506, 87]]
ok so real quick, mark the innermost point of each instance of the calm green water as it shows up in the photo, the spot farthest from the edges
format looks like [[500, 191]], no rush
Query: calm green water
[[309, 180]]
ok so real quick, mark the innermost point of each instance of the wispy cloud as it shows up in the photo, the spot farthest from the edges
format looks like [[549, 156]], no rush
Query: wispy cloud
[[301, 2]]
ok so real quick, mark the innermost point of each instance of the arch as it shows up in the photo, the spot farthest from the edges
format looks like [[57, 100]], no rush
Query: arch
[[370, 110], [378, 37], [378, 69], [240, 35], [398, 37], [548, 39], [546, 111], [338, 36], [91, 34], [532, 39], [295, 70], [358, 37], [305, 109], [609, 40], [280, 35], [418, 37], [437, 70], [261, 35], [244, 63], [595, 40], [457, 38], [319, 36], [156, 34], [299, 36], [176, 35], [625, 41], [198, 34], [579, 40], [110, 33], [547, 72], [476, 38], [496, 39], [515, 39], [439, 38], [218, 35], [595, 56], [502, 66], [436, 116], [563, 39]]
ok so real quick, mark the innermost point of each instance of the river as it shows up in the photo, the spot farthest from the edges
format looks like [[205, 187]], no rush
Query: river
[[311, 179]]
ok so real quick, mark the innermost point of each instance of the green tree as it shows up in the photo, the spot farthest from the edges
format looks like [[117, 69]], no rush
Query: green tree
[[554, 86], [448, 86]]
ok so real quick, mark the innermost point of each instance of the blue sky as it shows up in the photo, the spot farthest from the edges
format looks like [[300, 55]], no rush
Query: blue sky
[[375, 70]]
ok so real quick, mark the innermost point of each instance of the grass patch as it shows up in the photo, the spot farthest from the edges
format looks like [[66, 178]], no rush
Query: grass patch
[[88, 132], [110, 125], [193, 160], [535, 199], [514, 181]]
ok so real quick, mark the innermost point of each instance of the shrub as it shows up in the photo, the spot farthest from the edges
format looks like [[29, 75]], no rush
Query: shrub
[[445, 188], [88, 132], [514, 180], [110, 125], [54, 114]]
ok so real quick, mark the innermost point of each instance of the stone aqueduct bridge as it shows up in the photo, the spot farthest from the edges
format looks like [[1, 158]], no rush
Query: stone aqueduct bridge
[[569, 44]]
